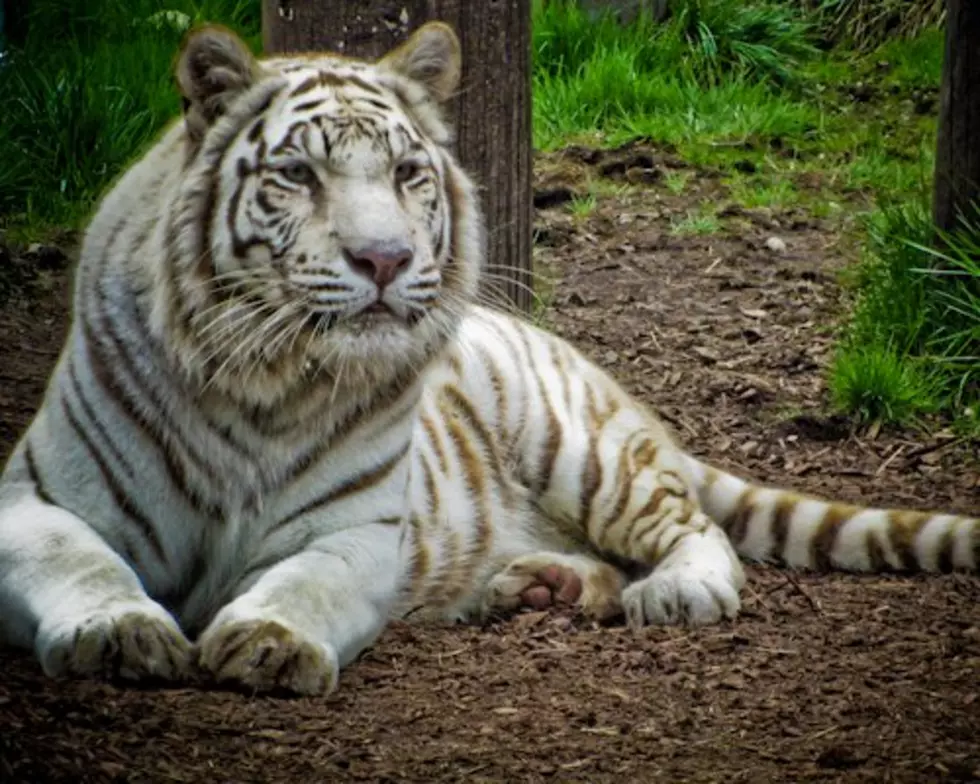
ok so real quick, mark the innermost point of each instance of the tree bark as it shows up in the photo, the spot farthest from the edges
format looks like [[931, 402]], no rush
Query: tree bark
[[957, 177], [492, 112]]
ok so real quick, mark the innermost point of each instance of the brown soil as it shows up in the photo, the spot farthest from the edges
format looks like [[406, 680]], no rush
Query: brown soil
[[822, 678]]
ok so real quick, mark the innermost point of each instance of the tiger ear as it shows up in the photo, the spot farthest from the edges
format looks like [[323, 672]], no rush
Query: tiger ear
[[213, 67], [432, 57]]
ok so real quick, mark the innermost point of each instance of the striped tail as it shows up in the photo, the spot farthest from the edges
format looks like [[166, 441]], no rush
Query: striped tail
[[780, 526]]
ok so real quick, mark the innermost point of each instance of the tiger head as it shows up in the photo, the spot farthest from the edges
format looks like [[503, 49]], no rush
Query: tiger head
[[322, 222]]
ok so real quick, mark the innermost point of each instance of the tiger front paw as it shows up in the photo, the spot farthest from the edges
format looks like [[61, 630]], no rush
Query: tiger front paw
[[130, 642], [680, 596], [263, 655], [696, 584]]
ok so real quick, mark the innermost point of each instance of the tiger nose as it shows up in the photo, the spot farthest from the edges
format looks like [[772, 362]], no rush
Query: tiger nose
[[382, 262]]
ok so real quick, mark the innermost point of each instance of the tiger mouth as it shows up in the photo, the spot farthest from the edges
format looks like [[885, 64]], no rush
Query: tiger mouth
[[375, 314]]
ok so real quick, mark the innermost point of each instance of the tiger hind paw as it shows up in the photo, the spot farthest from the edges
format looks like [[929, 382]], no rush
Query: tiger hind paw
[[542, 580]]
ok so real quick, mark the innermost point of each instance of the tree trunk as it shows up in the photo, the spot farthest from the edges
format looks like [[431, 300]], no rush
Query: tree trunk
[[492, 110], [957, 178]]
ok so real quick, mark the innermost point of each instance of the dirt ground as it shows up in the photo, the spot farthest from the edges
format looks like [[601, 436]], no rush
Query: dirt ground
[[822, 678]]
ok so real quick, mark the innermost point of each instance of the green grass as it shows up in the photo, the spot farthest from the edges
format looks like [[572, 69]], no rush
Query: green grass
[[696, 223], [912, 345], [879, 384], [597, 83], [704, 38], [583, 206], [88, 91], [85, 93], [712, 72], [676, 181], [913, 62], [756, 191]]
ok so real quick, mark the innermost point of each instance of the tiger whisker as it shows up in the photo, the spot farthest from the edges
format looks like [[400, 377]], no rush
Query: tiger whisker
[[230, 341], [242, 321], [510, 281], [274, 336]]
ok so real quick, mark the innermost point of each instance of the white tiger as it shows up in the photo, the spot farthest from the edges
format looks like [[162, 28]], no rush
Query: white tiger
[[279, 418]]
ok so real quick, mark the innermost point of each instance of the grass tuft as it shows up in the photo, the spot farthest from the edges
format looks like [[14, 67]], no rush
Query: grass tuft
[[695, 223], [914, 337], [760, 39], [878, 384], [582, 207]]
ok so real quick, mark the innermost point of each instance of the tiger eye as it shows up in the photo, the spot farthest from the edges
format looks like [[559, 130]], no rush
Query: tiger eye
[[299, 173], [406, 171]]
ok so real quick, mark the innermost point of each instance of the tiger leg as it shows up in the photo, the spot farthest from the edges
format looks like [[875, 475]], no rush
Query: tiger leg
[[67, 594], [646, 512], [696, 582], [544, 579], [295, 624]]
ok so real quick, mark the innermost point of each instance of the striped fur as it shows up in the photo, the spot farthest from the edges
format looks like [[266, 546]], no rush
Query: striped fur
[[280, 418]]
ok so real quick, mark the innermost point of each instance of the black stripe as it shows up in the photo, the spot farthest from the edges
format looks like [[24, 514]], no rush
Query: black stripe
[[521, 367], [136, 380], [205, 264], [119, 495], [476, 485], [440, 246], [378, 104], [454, 202], [553, 441], [307, 105], [366, 86], [263, 106], [305, 86], [89, 412], [256, 130], [35, 476], [352, 486], [591, 466]]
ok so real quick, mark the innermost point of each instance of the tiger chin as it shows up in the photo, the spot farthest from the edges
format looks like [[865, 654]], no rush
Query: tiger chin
[[280, 417]]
